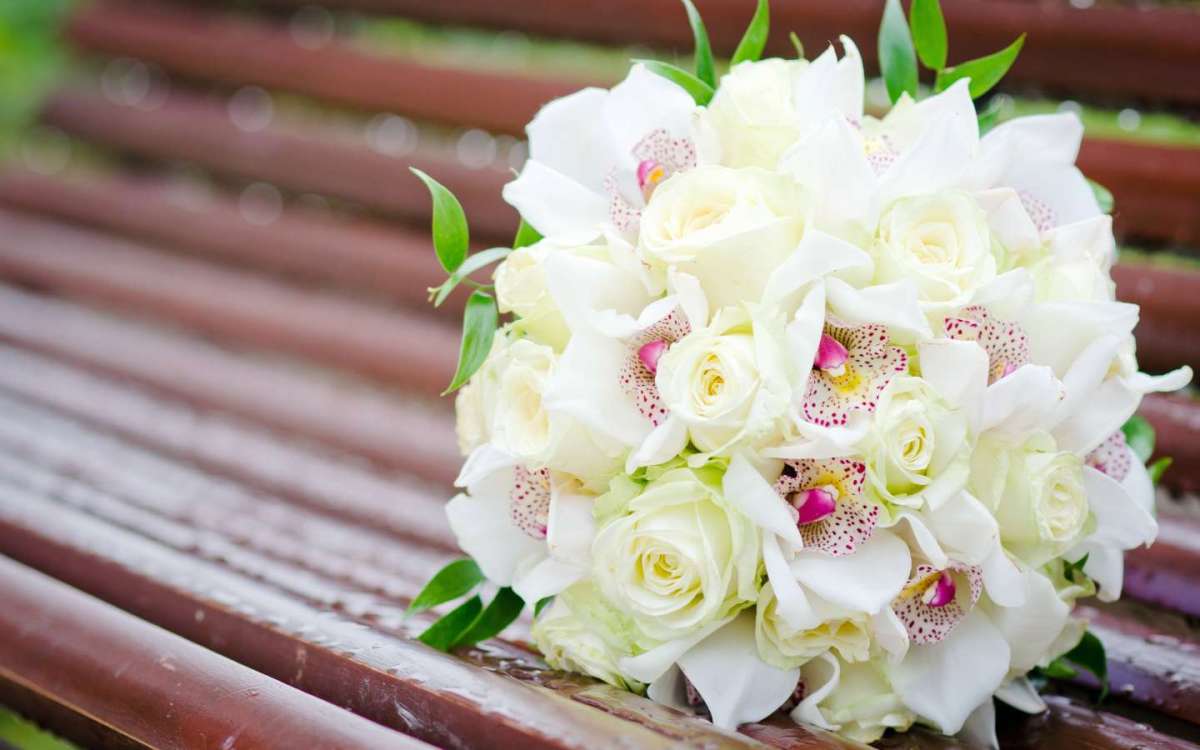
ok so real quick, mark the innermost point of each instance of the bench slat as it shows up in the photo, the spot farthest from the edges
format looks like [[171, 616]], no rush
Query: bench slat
[[396, 347], [159, 690], [350, 417]]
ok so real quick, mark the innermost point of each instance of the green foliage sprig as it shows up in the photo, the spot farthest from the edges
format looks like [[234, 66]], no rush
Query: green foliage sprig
[[470, 622], [924, 36]]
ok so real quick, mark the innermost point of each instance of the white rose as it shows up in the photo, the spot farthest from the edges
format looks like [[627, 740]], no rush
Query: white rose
[[521, 289], [1036, 493], [730, 228], [862, 704], [942, 243], [917, 449], [752, 119], [728, 379], [678, 557], [785, 647], [575, 644], [524, 428]]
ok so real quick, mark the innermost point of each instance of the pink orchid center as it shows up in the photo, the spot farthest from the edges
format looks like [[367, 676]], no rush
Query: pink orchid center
[[649, 174], [813, 505], [650, 353], [831, 354], [942, 591]]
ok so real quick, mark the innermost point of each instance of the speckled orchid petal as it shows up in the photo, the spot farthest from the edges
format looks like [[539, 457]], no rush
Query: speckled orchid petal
[[852, 519], [658, 156], [529, 502], [637, 376], [855, 382], [1005, 341], [1112, 457], [934, 602]]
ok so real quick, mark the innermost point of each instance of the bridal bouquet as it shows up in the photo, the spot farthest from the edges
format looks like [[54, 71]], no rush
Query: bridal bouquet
[[796, 407]]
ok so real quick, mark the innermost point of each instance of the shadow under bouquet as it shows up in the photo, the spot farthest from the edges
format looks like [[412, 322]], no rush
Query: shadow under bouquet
[[776, 404]]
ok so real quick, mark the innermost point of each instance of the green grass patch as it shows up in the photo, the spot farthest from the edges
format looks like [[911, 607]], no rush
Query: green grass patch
[[25, 735]]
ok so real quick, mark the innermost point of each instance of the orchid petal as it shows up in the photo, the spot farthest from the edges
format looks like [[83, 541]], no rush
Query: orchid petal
[[945, 681], [790, 600], [894, 305], [866, 581], [484, 530], [736, 684], [979, 730], [650, 665], [1021, 695], [748, 492], [556, 205], [1031, 628]]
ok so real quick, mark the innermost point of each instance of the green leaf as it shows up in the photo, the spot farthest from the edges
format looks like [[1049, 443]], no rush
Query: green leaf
[[526, 235], [705, 69], [989, 117], [1071, 569], [1158, 468], [929, 32], [446, 631], [505, 607], [542, 604], [472, 264], [799, 45], [1140, 435], [984, 72], [701, 92], [1103, 197], [479, 327], [1089, 655], [896, 55], [456, 579], [450, 235], [1059, 670], [755, 39]]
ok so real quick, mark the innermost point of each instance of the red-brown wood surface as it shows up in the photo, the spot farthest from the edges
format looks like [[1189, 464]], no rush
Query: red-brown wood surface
[[350, 417], [395, 347], [190, 128], [160, 690], [1130, 51], [301, 244]]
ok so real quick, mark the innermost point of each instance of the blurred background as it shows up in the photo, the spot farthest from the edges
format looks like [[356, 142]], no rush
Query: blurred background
[[212, 251]]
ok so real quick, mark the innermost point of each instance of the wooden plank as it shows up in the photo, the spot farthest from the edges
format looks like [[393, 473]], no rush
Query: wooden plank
[[1176, 419], [190, 128], [1155, 186], [337, 485], [354, 418], [1153, 656], [312, 247], [1143, 53], [239, 308], [240, 51], [1168, 572], [158, 689]]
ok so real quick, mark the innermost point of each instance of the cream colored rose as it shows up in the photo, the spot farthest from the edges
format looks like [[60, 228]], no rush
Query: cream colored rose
[[726, 380], [512, 387], [574, 644], [1036, 493], [918, 447], [939, 241], [785, 647], [678, 557], [862, 706], [752, 119], [521, 290], [730, 228]]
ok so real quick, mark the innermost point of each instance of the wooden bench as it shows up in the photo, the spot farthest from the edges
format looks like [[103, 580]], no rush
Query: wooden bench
[[219, 424]]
